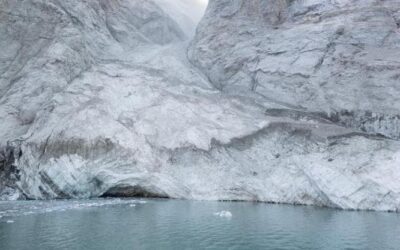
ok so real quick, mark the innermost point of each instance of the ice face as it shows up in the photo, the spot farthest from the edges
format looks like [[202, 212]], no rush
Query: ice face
[[292, 53], [100, 99]]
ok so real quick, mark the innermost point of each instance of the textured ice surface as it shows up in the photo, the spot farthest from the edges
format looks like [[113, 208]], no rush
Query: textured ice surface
[[336, 57], [101, 99]]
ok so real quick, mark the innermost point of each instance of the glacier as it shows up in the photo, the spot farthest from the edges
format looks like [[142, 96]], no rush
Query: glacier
[[273, 101]]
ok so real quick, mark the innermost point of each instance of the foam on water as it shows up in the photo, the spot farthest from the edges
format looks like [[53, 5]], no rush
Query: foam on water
[[25, 208]]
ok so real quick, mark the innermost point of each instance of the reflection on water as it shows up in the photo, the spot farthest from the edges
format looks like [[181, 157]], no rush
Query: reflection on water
[[171, 224]]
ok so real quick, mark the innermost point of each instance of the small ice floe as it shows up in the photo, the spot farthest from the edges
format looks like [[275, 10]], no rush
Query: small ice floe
[[142, 202], [9, 221], [132, 205], [224, 214], [93, 205]]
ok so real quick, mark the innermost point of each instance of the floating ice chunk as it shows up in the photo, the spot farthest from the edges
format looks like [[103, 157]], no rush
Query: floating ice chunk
[[132, 205], [225, 214], [142, 202], [10, 221]]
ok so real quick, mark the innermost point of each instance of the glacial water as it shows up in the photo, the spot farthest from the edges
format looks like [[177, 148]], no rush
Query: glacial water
[[174, 224]]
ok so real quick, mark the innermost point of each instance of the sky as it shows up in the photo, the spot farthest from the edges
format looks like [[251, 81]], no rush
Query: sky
[[186, 12], [202, 2]]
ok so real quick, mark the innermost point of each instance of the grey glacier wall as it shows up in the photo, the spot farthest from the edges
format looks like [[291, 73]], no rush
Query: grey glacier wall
[[280, 101], [340, 58]]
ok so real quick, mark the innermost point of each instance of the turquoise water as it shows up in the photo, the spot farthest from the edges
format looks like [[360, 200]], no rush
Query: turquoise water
[[174, 224]]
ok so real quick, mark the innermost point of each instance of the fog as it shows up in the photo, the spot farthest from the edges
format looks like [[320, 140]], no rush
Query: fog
[[186, 12]]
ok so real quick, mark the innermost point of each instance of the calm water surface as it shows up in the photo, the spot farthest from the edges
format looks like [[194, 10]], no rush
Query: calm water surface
[[169, 224]]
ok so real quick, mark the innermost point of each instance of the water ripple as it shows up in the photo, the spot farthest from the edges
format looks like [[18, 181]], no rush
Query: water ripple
[[169, 224]]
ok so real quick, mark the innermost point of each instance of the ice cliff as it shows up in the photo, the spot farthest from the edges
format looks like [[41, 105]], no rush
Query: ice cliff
[[277, 101], [337, 57]]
